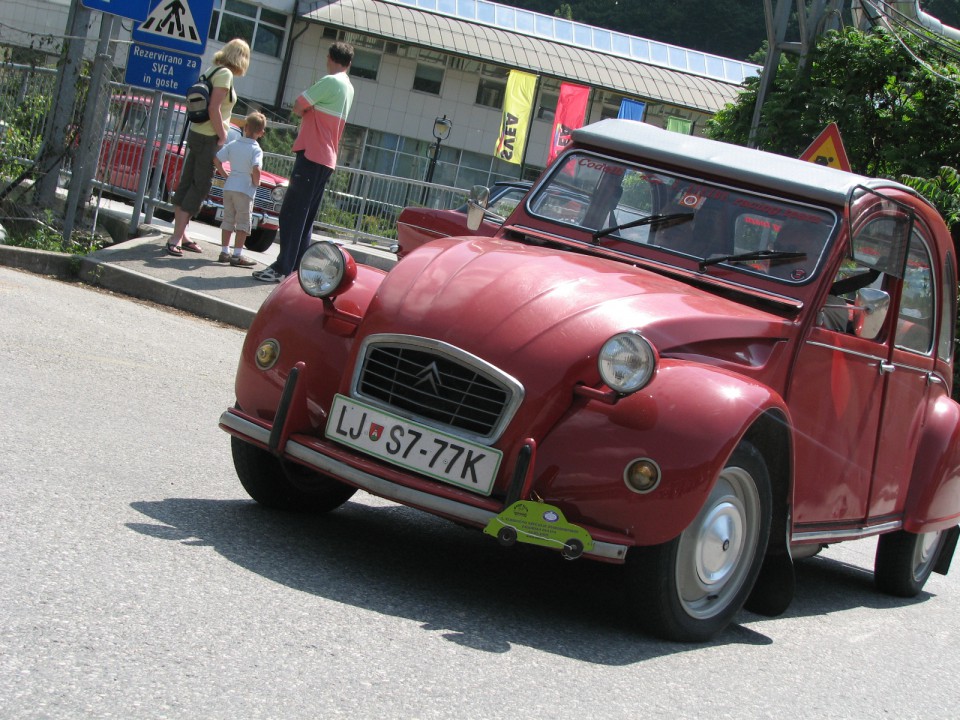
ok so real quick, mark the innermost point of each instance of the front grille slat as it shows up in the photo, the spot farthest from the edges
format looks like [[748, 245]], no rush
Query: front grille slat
[[436, 387]]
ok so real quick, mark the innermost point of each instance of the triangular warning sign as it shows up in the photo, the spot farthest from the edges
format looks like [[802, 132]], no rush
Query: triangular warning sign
[[172, 19], [828, 149]]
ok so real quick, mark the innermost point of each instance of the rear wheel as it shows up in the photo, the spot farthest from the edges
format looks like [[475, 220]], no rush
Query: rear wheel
[[284, 485], [905, 560], [689, 589], [259, 240]]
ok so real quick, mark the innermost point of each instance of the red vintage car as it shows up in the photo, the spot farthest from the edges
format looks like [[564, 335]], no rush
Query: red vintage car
[[696, 359], [121, 163], [419, 225]]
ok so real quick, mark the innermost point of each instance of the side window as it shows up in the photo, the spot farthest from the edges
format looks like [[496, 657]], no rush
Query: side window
[[917, 300], [948, 317], [506, 203]]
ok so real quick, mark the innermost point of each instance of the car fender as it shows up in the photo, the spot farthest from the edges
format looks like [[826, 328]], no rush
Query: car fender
[[688, 420], [306, 331], [933, 501]]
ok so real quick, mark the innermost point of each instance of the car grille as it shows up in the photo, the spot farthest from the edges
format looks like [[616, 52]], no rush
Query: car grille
[[438, 385], [263, 201]]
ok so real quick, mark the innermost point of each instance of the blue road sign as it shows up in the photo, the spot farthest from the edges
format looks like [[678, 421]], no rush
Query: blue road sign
[[179, 25], [133, 9], [154, 68]]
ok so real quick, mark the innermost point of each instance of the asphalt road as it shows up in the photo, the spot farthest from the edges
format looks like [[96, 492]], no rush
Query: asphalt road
[[140, 582]]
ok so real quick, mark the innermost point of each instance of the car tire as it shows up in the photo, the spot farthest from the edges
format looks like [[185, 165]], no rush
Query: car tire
[[283, 485], [690, 588], [905, 560], [259, 240]]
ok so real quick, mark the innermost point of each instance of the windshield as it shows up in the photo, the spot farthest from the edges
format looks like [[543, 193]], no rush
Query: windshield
[[675, 218]]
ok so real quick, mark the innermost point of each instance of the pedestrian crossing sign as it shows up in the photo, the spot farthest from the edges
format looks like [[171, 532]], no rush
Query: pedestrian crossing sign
[[180, 25]]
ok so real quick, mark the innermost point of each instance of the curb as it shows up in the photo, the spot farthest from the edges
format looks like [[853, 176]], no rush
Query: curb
[[97, 273], [41, 262]]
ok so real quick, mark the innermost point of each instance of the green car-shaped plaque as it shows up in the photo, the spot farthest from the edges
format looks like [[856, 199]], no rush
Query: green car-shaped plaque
[[537, 523]]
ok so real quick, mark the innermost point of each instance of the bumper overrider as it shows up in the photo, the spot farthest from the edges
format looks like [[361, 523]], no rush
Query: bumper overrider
[[399, 486]]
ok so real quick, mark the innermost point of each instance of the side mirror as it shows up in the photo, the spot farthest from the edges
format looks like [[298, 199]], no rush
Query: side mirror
[[477, 205], [870, 312]]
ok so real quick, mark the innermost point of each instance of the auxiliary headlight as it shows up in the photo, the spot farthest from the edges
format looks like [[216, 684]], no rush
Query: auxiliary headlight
[[325, 269], [627, 362]]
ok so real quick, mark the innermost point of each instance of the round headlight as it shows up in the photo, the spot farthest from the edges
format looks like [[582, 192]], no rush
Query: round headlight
[[325, 268], [627, 362], [278, 193]]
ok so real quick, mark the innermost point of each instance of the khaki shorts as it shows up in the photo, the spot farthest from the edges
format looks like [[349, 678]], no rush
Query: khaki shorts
[[237, 212]]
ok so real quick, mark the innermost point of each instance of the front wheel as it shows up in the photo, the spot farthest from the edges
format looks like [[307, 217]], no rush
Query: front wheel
[[259, 240], [284, 485], [689, 589], [905, 560]]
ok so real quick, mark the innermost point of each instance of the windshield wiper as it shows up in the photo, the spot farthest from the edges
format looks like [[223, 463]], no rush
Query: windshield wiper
[[658, 220], [755, 255]]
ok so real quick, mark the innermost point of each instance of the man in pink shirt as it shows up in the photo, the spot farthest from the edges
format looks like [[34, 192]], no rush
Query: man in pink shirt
[[323, 110]]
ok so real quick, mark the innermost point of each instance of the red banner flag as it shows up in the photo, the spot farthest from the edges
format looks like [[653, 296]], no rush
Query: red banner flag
[[571, 111]]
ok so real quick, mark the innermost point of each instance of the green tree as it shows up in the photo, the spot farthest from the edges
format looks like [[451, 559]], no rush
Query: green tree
[[896, 115]]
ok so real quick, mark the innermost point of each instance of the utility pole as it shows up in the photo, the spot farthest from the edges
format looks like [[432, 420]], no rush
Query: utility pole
[[812, 21]]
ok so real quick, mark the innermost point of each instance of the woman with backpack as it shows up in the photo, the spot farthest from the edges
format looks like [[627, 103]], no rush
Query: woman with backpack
[[203, 141]]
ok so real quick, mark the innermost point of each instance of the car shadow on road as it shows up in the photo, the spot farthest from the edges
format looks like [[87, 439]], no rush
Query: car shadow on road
[[458, 582]]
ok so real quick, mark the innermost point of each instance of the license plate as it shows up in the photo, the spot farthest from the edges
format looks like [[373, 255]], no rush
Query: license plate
[[413, 446], [219, 215], [218, 182]]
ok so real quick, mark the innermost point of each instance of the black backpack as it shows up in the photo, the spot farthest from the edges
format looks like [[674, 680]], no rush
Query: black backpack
[[198, 98]]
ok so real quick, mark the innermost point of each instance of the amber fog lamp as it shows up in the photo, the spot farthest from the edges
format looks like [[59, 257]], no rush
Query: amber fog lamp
[[326, 269], [267, 354], [642, 475], [627, 362]]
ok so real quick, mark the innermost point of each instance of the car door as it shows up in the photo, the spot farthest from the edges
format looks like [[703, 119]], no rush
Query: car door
[[840, 393]]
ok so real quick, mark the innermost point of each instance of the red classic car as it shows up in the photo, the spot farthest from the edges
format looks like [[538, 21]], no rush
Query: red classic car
[[696, 359], [419, 225], [121, 162]]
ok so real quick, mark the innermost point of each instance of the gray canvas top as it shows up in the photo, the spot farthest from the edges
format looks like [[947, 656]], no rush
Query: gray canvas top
[[710, 157], [476, 41]]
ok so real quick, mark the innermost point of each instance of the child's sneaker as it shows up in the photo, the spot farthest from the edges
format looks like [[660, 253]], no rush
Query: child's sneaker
[[242, 261], [223, 257]]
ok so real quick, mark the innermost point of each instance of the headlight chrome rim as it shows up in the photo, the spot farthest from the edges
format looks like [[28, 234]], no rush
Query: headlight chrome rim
[[326, 269], [627, 362]]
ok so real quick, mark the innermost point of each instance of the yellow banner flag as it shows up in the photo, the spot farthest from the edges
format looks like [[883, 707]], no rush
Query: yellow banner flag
[[517, 106]]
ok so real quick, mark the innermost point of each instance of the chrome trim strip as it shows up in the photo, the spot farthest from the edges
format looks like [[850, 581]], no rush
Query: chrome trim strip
[[861, 532], [846, 351], [379, 486]]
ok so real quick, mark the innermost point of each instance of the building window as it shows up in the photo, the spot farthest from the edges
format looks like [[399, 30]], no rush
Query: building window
[[265, 30], [679, 125], [429, 79], [492, 87], [365, 64]]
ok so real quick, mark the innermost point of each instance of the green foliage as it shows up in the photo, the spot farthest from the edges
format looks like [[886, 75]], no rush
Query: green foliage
[[894, 115], [943, 190], [20, 138]]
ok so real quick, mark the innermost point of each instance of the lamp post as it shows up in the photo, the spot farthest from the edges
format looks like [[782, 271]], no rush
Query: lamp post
[[441, 131]]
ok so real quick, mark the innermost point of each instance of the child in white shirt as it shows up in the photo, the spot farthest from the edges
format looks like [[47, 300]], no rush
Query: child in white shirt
[[239, 190]]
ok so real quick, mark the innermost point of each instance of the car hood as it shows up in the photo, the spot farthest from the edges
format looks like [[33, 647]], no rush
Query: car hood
[[504, 301]]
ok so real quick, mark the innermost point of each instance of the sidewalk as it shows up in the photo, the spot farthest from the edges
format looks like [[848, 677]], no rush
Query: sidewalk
[[195, 283]]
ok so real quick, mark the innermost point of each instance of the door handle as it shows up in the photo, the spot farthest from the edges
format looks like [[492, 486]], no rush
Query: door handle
[[886, 367]]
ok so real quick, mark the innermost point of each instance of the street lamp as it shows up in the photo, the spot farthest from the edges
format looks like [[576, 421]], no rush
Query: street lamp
[[441, 131]]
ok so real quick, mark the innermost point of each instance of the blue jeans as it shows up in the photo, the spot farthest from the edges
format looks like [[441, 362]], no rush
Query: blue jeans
[[299, 210]]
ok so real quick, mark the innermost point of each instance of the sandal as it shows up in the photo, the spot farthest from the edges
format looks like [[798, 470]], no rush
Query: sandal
[[174, 250], [191, 246]]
